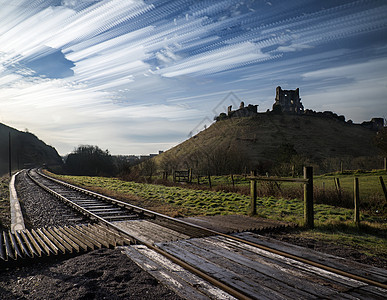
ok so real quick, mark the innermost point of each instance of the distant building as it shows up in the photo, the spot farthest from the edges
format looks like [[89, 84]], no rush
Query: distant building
[[288, 101]]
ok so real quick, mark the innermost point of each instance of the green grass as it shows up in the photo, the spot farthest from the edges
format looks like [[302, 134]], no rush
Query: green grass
[[369, 240], [369, 183], [206, 202]]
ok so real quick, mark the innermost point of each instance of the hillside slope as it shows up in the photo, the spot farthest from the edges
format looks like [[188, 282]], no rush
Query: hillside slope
[[26, 150], [268, 138]]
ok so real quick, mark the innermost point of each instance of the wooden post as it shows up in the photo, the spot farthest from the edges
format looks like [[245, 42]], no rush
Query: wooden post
[[356, 218], [385, 164], [383, 187], [190, 175], [174, 176], [9, 154], [338, 188], [209, 179], [253, 193], [341, 167], [232, 180], [308, 198]]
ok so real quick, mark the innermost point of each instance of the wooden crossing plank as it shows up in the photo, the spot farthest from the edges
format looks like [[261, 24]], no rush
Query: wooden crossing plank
[[252, 252], [184, 283], [367, 271], [233, 270], [252, 288], [286, 276], [376, 292], [263, 274], [150, 232]]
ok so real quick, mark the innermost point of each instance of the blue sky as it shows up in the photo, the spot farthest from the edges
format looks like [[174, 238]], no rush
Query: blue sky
[[136, 77]]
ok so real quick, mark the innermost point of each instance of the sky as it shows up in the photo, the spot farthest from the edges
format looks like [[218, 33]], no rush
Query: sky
[[136, 77]]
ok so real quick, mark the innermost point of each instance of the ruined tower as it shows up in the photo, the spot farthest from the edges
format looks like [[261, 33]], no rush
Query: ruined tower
[[288, 100]]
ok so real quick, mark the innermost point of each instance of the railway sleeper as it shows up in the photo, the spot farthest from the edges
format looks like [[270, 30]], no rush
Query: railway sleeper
[[26, 245]]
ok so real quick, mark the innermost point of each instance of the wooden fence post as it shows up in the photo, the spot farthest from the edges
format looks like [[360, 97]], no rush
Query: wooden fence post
[[338, 187], [253, 193], [209, 180], [356, 201], [385, 164], [174, 176], [383, 187], [308, 198], [232, 180]]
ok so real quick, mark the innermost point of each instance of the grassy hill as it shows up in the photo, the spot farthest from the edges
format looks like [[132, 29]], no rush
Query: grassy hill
[[26, 150], [267, 139]]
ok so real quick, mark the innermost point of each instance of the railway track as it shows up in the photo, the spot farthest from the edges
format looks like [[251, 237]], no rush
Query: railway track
[[112, 213]]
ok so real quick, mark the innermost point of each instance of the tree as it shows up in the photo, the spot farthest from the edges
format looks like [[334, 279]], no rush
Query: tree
[[90, 161], [148, 168]]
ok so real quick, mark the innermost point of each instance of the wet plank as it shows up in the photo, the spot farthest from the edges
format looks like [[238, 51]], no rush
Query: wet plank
[[367, 271], [288, 275], [254, 253], [150, 232], [232, 265], [184, 283], [261, 288]]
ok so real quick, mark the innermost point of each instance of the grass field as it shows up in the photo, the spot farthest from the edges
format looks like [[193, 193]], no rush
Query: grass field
[[208, 202], [369, 183]]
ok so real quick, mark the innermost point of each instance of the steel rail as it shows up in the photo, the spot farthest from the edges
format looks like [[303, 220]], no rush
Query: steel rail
[[213, 232]]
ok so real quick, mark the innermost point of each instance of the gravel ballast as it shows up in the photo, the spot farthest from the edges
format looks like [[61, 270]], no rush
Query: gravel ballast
[[40, 209]]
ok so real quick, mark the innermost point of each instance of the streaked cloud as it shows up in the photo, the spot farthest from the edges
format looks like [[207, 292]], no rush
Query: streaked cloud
[[84, 65]]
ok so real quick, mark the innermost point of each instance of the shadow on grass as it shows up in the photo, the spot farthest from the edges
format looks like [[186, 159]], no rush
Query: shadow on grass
[[365, 228]]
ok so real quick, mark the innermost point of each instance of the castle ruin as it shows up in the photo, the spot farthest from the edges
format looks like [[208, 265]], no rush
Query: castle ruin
[[288, 101], [243, 111]]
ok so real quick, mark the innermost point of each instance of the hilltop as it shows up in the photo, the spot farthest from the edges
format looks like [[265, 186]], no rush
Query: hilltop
[[266, 139], [27, 150]]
